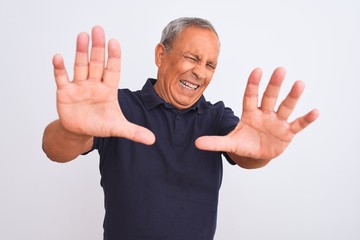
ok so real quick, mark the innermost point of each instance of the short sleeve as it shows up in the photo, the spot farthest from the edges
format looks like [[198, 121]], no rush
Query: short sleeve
[[228, 123], [97, 141]]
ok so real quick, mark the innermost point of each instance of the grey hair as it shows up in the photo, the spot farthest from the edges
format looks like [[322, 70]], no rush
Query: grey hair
[[175, 27]]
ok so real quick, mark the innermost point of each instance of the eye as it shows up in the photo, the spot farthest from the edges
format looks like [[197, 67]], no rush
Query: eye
[[191, 59], [211, 66]]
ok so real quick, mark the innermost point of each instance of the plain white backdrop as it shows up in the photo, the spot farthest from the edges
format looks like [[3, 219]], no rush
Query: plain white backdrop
[[310, 192]]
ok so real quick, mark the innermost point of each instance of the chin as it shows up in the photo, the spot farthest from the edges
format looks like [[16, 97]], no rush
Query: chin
[[187, 104]]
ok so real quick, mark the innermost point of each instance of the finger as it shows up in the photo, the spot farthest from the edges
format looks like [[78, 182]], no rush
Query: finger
[[61, 76], [271, 93], [112, 70], [250, 100], [214, 143], [287, 106], [81, 67], [97, 56], [137, 133], [304, 121]]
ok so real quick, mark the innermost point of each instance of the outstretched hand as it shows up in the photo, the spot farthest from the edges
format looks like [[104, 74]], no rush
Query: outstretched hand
[[262, 134], [88, 105]]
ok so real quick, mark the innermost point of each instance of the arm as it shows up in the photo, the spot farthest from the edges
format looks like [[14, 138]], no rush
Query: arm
[[60, 145], [248, 163], [88, 105], [262, 133]]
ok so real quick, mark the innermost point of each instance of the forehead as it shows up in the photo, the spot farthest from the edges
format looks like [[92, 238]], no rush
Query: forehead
[[199, 40]]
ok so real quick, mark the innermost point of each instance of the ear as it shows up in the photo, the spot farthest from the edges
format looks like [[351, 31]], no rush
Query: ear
[[159, 54]]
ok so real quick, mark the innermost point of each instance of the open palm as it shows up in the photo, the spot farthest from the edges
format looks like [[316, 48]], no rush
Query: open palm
[[262, 133], [89, 105]]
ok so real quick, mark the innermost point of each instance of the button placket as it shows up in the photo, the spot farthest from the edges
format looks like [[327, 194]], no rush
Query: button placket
[[179, 131]]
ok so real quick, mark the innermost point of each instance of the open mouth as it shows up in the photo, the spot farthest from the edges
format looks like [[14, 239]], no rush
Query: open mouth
[[188, 85]]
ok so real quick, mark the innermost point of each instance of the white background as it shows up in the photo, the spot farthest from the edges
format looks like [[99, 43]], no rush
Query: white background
[[310, 192]]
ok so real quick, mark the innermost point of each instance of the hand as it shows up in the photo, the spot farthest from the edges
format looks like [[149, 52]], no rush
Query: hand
[[89, 105], [262, 134]]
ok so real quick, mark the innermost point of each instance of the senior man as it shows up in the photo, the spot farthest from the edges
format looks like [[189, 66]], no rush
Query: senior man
[[161, 147]]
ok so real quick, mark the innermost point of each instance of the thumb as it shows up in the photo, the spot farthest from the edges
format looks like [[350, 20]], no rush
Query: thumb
[[214, 143], [137, 133]]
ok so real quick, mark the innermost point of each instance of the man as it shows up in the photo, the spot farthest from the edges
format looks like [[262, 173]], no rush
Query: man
[[160, 147]]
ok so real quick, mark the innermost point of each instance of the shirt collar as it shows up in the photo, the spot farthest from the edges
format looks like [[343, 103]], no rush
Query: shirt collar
[[151, 99]]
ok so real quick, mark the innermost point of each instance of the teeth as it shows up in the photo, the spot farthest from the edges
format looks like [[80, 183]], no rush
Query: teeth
[[189, 85]]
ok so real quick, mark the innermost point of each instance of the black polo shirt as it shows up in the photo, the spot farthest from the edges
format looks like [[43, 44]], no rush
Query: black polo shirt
[[168, 190]]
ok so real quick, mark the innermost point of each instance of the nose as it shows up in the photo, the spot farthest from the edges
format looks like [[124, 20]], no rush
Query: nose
[[199, 72]]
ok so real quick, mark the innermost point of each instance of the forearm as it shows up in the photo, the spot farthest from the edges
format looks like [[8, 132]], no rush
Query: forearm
[[248, 163], [61, 145]]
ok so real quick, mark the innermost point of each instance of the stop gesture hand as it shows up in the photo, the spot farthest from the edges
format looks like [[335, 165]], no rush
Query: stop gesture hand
[[88, 105], [262, 133]]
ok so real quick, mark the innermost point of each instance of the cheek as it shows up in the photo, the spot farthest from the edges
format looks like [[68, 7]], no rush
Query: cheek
[[208, 79], [175, 72]]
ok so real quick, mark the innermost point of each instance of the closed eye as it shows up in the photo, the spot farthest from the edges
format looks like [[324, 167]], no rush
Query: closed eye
[[212, 66], [191, 59]]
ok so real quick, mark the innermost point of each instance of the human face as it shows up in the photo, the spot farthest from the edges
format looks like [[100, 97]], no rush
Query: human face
[[186, 70]]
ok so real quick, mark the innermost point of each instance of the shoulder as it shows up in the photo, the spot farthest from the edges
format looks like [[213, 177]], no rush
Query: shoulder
[[207, 107], [128, 98], [224, 116]]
